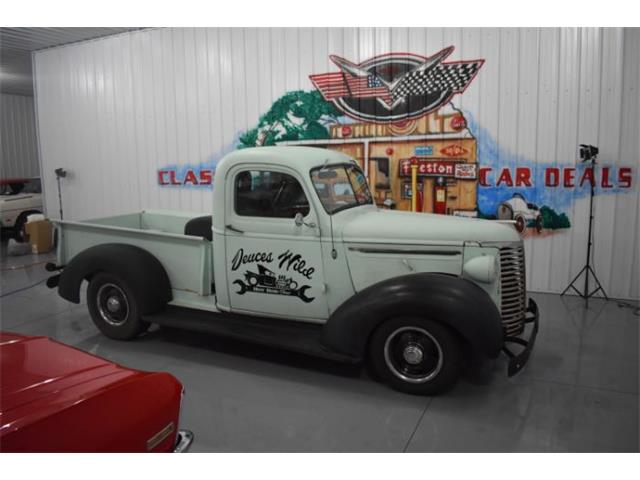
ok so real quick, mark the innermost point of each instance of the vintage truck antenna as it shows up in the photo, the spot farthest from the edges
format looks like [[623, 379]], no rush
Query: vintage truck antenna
[[334, 253]]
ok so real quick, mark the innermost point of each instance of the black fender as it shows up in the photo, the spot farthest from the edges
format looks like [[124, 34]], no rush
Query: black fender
[[453, 301], [141, 270]]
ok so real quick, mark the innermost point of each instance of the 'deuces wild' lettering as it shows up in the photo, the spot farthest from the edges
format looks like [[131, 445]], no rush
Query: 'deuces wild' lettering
[[240, 258], [295, 262]]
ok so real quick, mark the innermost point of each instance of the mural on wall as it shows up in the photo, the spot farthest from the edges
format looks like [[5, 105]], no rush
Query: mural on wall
[[396, 110], [395, 86], [198, 176]]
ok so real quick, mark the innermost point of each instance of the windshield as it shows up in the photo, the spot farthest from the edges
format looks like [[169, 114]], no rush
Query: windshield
[[16, 186], [340, 187]]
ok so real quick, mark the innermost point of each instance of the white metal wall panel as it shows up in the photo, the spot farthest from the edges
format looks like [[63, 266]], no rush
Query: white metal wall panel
[[18, 142], [115, 110]]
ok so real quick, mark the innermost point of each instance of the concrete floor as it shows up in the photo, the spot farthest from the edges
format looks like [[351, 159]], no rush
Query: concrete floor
[[578, 393]]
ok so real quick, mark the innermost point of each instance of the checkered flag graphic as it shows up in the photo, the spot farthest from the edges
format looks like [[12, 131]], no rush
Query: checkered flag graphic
[[452, 77]]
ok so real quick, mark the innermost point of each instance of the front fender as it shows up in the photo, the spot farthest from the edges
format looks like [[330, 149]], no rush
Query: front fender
[[453, 301]]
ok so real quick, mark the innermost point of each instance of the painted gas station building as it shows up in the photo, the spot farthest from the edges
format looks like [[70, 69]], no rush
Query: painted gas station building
[[439, 144]]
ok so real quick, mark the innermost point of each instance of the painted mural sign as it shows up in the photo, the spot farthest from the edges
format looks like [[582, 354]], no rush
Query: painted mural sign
[[186, 176], [396, 109], [395, 86]]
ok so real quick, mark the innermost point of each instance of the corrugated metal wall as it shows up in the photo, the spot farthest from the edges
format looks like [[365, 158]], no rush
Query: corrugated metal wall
[[18, 143], [115, 110]]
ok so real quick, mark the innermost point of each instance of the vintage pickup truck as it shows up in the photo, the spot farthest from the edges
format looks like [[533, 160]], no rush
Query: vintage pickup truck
[[19, 197], [297, 255]]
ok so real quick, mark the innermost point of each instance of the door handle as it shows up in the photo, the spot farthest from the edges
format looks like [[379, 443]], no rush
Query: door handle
[[230, 227]]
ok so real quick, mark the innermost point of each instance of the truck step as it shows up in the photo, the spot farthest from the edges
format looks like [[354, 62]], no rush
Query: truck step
[[298, 337]]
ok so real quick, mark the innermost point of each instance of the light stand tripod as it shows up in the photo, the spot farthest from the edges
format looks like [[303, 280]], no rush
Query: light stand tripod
[[60, 173], [588, 153]]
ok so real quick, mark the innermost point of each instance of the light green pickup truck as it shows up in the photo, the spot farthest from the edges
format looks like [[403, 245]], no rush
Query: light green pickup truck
[[297, 255]]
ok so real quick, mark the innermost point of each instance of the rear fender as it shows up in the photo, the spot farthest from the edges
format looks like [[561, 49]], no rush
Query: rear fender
[[143, 273]]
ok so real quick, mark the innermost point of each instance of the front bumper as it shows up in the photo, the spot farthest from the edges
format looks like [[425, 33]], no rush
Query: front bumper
[[184, 439], [519, 360]]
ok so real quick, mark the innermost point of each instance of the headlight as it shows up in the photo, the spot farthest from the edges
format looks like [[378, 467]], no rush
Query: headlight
[[483, 268]]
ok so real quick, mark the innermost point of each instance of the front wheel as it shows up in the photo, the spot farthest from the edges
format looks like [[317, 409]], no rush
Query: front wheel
[[415, 355], [113, 307]]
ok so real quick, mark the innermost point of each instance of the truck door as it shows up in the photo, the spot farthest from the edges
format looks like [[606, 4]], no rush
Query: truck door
[[274, 266]]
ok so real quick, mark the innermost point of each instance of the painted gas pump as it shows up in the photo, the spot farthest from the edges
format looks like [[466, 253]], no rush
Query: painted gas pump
[[440, 196], [420, 197]]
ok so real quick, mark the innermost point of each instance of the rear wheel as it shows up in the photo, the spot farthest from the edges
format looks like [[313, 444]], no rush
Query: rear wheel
[[19, 232], [113, 307], [415, 355]]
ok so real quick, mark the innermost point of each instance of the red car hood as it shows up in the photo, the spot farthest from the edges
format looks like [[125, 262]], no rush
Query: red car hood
[[32, 368]]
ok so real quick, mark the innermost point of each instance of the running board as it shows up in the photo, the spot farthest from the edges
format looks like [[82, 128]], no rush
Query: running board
[[298, 337]]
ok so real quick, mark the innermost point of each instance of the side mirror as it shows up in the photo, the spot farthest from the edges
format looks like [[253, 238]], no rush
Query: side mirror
[[389, 203], [299, 219]]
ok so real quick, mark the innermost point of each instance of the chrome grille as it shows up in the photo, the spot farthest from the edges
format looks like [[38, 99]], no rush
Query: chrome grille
[[513, 288]]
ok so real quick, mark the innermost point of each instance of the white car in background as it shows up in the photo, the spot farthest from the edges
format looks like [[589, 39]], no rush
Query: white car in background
[[19, 198], [524, 213]]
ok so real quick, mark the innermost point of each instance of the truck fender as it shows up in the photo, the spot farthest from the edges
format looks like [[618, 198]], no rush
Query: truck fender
[[453, 301], [141, 270]]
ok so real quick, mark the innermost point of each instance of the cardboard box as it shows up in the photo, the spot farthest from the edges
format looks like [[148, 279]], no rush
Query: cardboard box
[[40, 235]]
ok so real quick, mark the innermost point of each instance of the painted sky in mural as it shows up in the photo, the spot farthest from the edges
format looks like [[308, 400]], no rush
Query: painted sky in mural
[[194, 176]]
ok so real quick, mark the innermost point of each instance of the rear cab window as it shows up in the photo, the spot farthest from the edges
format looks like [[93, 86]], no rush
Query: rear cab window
[[263, 193]]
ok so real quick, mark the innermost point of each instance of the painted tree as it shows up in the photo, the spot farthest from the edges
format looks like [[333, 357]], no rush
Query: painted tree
[[553, 220], [296, 115]]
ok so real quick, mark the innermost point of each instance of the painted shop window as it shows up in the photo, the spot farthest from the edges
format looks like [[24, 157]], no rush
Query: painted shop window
[[382, 173], [269, 194]]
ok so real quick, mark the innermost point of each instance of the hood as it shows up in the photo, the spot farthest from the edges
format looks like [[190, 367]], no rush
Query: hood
[[391, 226], [32, 368]]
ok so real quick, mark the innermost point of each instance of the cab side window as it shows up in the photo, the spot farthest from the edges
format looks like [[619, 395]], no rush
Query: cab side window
[[260, 193]]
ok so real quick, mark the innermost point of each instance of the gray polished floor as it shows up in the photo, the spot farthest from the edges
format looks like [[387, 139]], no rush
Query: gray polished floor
[[578, 393]]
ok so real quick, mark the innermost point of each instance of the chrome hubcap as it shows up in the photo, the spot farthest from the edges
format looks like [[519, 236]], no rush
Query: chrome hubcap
[[413, 354], [112, 304]]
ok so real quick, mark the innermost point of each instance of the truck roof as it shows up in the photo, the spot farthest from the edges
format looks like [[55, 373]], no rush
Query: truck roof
[[298, 158]]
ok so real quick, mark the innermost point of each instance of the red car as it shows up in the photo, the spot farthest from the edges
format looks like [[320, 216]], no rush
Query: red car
[[56, 398]]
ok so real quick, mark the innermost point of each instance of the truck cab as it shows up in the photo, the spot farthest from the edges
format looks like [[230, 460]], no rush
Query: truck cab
[[297, 255]]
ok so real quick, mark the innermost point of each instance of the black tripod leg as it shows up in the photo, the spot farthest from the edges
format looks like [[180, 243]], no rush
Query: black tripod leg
[[595, 277], [574, 281]]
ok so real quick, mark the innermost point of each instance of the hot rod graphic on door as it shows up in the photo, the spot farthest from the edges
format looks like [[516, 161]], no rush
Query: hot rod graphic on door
[[270, 255]]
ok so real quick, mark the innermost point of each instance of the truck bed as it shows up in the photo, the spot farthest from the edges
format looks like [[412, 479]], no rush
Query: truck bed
[[187, 259], [158, 221]]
